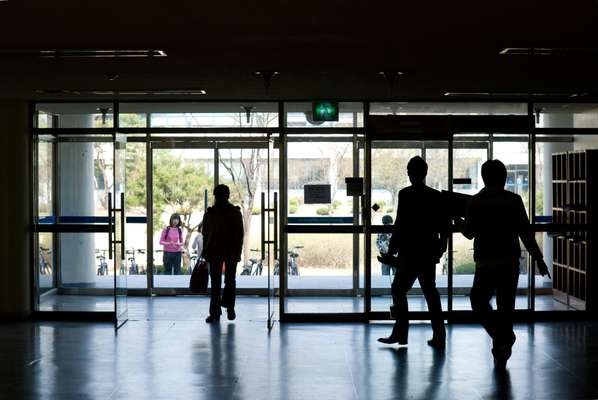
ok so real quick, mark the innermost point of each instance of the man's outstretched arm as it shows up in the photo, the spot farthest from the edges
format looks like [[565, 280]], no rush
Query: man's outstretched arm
[[529, 241]]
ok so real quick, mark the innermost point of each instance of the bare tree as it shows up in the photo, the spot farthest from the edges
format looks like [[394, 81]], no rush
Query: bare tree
[[245, 168]]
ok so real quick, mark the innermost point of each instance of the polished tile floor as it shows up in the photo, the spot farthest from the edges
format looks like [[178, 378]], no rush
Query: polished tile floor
[[308, 304], [166, 351]]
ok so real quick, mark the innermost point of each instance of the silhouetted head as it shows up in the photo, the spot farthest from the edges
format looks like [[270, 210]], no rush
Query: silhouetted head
[[494, 173], [387, 219], [175, 220], [417, 169], [221, 193]]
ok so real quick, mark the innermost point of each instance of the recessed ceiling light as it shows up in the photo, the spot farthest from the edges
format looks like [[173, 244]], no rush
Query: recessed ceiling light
[[84, 53], [264, 73], [129, 92], [510, 94], [179, 92], [397, 73], [548, 51]]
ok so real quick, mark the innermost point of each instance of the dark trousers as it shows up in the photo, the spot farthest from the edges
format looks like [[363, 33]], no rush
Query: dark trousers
[[502, 280], [172, 263], [230, 285], [402, 282]]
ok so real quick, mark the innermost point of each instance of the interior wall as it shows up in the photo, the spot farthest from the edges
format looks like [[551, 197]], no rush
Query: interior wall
[[15, 203], [585, 142]]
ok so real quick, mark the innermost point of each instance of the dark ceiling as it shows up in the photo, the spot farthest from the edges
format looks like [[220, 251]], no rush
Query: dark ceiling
[[330, 48]]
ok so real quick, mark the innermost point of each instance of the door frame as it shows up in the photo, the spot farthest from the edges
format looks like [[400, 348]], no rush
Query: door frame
[[214, 143]]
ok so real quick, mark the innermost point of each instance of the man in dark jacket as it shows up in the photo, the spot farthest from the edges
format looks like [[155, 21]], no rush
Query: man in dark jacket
[[496, 219], [222, 232], [420, 237]]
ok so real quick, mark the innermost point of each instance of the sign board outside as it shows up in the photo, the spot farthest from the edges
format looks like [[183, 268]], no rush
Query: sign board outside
[[354, 186], [316, 194]]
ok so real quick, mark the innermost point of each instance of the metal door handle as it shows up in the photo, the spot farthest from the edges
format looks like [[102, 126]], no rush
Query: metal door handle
[[263, 226], [275, 209], [110, 227], [122, 226]]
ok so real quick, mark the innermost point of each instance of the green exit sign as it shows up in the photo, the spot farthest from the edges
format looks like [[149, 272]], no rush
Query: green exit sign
[[325, 111]]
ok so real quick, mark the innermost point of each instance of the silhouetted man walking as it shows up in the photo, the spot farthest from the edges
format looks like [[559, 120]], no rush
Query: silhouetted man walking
[[222, 232], [496, 219], [420, 237]]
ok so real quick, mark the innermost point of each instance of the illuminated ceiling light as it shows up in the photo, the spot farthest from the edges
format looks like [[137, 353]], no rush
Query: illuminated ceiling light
[[548, 51], [511, 94], [126, 92], [187, 92], [85, 53]]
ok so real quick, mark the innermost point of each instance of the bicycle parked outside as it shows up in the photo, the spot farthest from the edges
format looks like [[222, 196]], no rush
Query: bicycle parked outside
[[255, 265], [103, 265], [133, 266], [292, 266]]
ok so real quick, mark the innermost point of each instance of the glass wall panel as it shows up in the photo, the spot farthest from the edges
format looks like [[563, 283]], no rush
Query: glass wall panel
[[46, 264], [319, 163], [199, 115], [45, 212], [74, 115], [136, 213], [320, 273], [423, 108], [85, 177], [85, 274], [299, 115]]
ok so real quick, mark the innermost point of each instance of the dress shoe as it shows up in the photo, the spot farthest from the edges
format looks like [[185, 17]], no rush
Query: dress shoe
[[230, 313], [212, 318], [439, 344], [392, 340]]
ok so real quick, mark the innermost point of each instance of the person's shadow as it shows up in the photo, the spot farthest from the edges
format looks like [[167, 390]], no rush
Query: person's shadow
[[401, 377], [501, 385], [223, 363]]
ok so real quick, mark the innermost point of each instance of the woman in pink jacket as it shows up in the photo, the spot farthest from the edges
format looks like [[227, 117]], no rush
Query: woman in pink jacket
[[171, 239]]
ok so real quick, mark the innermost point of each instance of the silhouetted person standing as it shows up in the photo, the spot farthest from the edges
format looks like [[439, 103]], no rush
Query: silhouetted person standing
[[222, 232], [496, 219], [420, 237]]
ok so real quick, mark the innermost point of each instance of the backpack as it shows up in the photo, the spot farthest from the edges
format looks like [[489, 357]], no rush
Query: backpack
[[178, 228]]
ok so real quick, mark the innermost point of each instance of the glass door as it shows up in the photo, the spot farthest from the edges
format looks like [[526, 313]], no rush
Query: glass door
[[272, 219], [117, 221], [75, 224], [321, 249], [389, 160], [183, 175], [470, 151]]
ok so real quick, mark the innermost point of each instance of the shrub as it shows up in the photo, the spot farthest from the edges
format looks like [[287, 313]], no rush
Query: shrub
[[292, 208], [336, 204], [323, 211], [255, 211], [324, 251], [465, 269]]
